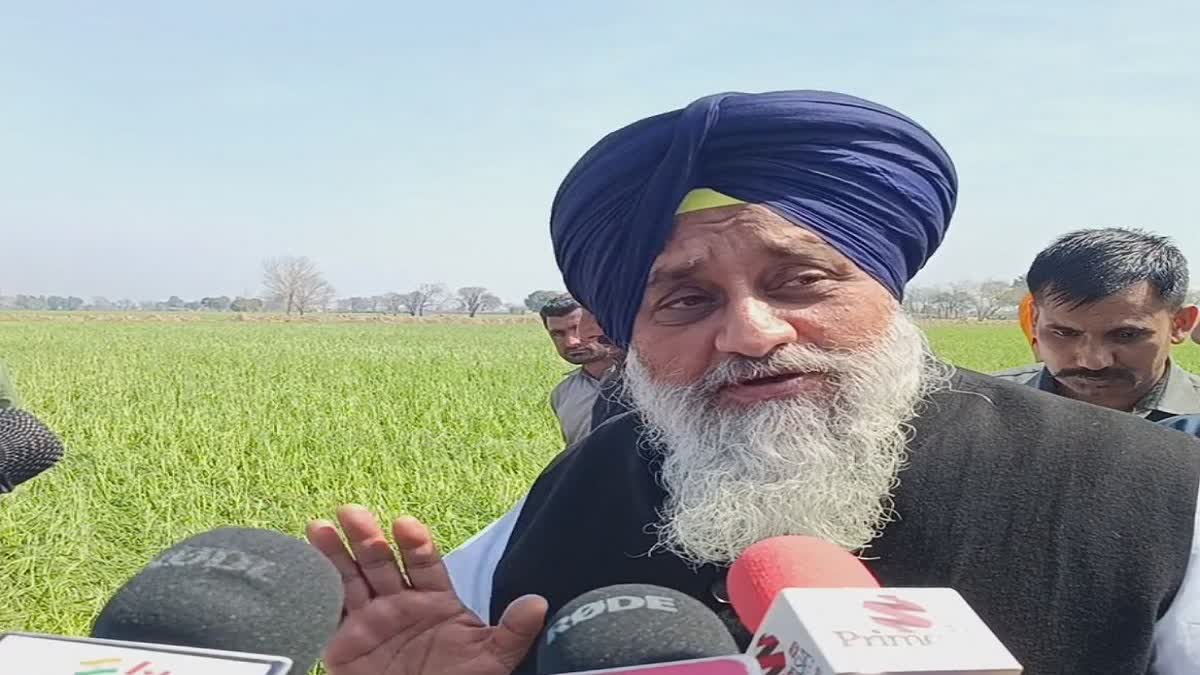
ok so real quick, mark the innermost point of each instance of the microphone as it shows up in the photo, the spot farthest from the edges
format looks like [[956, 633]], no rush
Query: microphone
[[231, 601], [27, 448], [814, 608], [639, 628]]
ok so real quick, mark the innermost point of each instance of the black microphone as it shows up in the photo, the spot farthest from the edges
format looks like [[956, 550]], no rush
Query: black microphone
[[631, 625], [27, 448], [231, 589]]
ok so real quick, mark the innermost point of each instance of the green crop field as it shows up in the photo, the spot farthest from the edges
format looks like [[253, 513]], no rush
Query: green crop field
[[174, 426]]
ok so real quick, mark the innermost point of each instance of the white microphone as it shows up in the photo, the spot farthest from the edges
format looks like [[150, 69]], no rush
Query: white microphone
[[815, 610]]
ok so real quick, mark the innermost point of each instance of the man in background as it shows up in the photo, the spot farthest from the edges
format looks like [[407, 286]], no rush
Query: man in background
[[8, 393], [574, 333], [1108, 305], [610, 399]]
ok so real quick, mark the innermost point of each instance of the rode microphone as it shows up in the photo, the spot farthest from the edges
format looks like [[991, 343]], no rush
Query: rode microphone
[[232, 601], [814, 608], [639, 628], [27, 448]]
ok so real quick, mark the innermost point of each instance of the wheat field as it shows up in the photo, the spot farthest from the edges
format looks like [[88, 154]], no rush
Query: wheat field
[[175, 426]]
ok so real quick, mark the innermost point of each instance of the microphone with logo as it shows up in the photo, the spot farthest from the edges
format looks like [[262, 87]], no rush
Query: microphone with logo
[[637, 629], [27, 448], [814, 608], [231, 601]]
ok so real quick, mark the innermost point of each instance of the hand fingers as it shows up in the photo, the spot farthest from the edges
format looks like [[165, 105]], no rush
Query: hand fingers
[[519, 626], [372, 551], [422, 562], [324, 536]]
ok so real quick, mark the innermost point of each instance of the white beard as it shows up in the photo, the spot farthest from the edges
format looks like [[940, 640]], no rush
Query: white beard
[[823, 466]]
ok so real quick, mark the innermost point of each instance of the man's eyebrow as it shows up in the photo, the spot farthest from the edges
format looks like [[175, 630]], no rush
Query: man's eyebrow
[[671, 273], [777, 250]]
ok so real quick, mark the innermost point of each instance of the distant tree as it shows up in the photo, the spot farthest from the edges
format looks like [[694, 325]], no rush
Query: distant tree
[[101, 304], [426, 297], [537, 299], [175, 302], [241, 304], [918, 300], [220, 303], [989, 297], [126, 305], [361, 304], [56, 303], [393, 303], [32, 302], [296, 284], [475, 299]]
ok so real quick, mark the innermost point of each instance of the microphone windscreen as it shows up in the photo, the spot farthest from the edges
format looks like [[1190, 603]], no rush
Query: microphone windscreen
[[27, 448], [630, 625], [235, 589], [771, 565]]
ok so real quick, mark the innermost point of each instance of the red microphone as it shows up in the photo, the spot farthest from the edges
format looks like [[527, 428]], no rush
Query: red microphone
[[771, 565], [814, 608]]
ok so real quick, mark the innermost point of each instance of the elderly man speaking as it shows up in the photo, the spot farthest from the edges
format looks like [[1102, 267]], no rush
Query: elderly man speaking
[[751, 251]]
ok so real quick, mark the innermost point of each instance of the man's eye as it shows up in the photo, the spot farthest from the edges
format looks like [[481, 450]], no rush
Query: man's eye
[[803, 280], [686, 302]]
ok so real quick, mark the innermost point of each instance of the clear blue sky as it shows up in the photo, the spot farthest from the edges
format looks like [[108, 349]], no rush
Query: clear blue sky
[[158, 148]]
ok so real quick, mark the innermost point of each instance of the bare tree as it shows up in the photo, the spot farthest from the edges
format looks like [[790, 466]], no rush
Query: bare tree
[[295, 284], [989, 297], [426, 297], [475, 299]]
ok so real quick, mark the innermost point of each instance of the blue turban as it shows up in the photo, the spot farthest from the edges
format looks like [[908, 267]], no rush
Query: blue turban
[[868, 180]]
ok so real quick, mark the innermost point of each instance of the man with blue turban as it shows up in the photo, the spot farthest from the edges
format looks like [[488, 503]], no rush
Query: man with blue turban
[[751, 252]]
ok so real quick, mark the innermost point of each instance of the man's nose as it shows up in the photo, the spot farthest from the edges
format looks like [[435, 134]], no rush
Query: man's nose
[[1094, 357], [753, 328]]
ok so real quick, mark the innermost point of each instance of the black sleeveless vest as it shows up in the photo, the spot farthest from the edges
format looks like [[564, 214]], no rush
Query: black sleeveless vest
[[1065, 526]]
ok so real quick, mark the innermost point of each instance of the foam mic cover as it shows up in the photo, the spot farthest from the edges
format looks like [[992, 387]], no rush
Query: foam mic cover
[[235, 589], [630, 625], [27, 448], [771, 565]]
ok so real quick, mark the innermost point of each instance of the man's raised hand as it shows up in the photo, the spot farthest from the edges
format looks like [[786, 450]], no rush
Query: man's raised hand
[[402, 614]]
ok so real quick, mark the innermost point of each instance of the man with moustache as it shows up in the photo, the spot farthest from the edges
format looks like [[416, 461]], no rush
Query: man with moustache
[[1109, 304], [576, 337], [751, 251]]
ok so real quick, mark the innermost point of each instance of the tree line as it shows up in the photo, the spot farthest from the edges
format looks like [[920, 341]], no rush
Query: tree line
[[974, 300], [295, 285]]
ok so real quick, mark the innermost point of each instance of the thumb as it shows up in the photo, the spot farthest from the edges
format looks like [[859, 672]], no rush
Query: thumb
[[519, 626]]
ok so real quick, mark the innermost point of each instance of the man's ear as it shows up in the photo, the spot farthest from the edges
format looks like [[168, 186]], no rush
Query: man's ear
[[1183, 323]]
